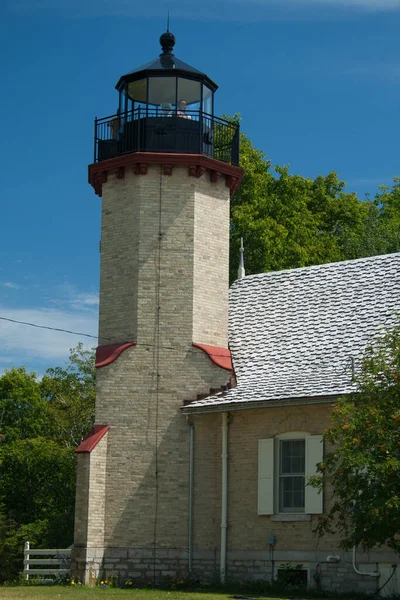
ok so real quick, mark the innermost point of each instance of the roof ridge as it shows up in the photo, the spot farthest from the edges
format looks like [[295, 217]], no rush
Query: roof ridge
[[375, 258]]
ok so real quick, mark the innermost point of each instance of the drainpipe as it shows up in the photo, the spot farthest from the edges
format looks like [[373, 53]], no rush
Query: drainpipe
[[370, 573], [224, 507], [191, 490]]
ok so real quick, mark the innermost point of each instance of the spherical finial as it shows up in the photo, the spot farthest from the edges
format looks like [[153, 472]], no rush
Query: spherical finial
[[167, 41]]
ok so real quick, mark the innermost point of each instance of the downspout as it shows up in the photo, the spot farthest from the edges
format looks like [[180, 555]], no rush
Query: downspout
[[191, 491], [369, 573], [224, 504]]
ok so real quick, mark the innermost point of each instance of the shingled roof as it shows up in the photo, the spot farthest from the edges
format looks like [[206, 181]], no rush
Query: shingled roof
[[297, 334]]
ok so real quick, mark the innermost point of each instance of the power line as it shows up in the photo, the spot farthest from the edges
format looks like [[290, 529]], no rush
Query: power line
[[145, 344], [47, 327], [95, 337]]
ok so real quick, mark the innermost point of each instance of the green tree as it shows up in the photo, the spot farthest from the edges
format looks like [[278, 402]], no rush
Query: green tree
[[37, 479], [41, 423], [70, 394], [363, 465], [290, 221], [23, 411]]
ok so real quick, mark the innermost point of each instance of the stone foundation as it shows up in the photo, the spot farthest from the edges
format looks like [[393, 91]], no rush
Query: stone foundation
[[172, 564]]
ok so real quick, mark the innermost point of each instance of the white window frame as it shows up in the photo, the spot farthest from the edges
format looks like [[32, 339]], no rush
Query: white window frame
[[268, 476], [278, 476]]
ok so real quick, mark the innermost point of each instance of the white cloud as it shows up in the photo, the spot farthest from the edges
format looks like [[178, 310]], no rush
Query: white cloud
[[22, 344], [11, 285], [385, 72], [377, 5], [84, 301], [68, 297], [369, 181], [190, 9]]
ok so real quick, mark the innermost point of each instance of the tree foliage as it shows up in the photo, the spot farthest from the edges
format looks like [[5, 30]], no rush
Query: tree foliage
[[41, 423], [70, 394], [23, 412], [290, 221], [364, 464]]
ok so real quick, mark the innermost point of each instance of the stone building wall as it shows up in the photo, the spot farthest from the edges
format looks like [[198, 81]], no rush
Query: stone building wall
[[248, 553], [129, 551]]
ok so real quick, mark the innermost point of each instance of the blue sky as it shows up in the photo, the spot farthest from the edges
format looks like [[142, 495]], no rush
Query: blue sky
[[317, 83]]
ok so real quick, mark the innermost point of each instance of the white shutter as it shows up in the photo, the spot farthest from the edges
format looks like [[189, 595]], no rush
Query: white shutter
[[266, 477], [314, 455]]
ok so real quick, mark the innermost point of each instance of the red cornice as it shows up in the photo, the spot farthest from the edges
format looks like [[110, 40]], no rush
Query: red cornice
[[105, 355], [219, 356], [92, 439], [138, 161]]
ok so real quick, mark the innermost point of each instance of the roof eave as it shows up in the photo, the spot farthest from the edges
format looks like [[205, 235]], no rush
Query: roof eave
[[235, 406], [136, 75]]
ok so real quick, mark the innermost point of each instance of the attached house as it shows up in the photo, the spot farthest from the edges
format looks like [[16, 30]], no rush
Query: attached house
[[297, 338]]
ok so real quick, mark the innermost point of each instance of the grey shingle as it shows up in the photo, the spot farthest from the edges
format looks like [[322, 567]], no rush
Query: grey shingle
[[294, 333]]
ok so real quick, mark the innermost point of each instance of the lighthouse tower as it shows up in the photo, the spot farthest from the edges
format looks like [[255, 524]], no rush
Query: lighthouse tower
[[164, 167]]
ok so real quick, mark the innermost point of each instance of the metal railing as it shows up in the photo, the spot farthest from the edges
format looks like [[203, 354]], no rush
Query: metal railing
[[155, 130], [60, 558]]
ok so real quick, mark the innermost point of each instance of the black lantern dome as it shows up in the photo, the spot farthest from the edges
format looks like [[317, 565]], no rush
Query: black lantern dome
[[166, 106], [166, 80]]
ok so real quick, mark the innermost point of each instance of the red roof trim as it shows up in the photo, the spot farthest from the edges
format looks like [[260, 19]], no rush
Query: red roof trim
[[105, 355], [219, 356], [139, 161], [92, 439]]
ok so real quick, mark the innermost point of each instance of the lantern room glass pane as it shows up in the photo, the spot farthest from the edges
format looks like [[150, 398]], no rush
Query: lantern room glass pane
[[207, 100], [190, 92], [137, 90], [162, 92]]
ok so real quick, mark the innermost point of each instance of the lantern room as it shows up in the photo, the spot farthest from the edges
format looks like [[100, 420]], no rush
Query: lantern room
[[167, 85], [166, 106]]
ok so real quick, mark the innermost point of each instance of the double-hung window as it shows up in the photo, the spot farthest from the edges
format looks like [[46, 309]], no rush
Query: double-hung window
[[284, 465], [291, 485]]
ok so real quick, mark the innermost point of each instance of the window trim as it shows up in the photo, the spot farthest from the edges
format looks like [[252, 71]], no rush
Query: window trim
[[285, 437], [280, 476], [268, 476]]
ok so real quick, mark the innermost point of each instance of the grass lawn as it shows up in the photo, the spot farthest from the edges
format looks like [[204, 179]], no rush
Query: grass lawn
[[97, 593]]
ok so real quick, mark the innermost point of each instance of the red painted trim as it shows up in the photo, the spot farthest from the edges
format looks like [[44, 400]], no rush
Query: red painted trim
[[214, 176], [92, 439], [219, 356], [139, 161], [119, 172], [105, 355], [168, 169]]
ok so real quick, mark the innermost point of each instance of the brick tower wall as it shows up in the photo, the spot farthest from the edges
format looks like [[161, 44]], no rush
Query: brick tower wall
[[164, 285], [190, 265]]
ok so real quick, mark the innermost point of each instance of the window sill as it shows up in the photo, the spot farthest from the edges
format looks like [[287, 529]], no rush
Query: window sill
[[291, 517]]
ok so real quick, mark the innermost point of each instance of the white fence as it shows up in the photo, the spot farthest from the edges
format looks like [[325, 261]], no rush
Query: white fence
[[60, 558]]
